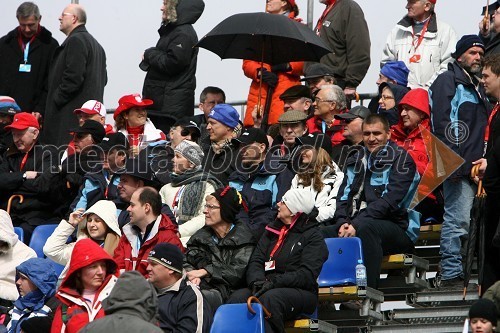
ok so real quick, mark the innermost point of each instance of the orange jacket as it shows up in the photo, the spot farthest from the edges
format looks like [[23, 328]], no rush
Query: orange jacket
[[285, 81]]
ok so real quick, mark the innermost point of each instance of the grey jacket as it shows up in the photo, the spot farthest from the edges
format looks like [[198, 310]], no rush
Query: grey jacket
[[130, 307]]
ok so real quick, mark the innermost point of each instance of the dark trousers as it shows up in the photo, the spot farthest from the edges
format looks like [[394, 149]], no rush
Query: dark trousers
[[378, 238], [213, 298], [283, 303]]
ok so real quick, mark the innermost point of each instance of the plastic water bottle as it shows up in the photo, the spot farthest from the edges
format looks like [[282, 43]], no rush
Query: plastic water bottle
[[360, 274]]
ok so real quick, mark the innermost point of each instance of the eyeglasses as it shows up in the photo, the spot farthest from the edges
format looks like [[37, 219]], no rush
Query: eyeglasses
[[67, 14], [210, 207], [319, 100], [385, 97]]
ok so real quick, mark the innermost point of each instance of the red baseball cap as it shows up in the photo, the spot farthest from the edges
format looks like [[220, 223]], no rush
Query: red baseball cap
[[433, 1], [92, 107], [129, 101], [22, 121]]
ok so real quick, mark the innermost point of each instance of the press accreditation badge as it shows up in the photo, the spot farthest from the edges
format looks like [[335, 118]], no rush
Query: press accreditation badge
[[269, 265], [26, 68]]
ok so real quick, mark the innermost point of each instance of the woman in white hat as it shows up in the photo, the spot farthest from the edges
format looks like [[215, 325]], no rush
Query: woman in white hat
[[99, 223]]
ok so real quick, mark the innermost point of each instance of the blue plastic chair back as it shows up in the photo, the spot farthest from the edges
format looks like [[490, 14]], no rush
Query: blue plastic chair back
[[20, 233], [38, 240], [340, 268], [40, 236], [230, 318]]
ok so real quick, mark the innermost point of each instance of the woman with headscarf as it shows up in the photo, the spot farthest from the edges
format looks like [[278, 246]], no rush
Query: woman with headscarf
[[217, 255], [390, 96], [99, 223], [36, 281], [131, 119], [278, 77], [91, 276], [189, 186], [284, 267], [319, 174]]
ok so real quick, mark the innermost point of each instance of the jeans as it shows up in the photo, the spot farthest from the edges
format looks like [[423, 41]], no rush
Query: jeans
[[458, 197]]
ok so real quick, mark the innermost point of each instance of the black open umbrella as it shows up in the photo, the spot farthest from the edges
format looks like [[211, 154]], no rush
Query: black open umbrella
[[476, 234], [264, 37]]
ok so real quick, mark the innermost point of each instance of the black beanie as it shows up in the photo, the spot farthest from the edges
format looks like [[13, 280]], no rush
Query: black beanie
[[484, 308], [465, 43], [230, 202]]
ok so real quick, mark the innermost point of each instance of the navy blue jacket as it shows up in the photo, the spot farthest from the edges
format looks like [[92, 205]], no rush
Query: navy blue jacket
[[459, 115], [379, 187], [259, 190]]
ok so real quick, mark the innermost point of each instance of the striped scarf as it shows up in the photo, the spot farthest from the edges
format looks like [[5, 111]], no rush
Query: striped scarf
[[18, 315]]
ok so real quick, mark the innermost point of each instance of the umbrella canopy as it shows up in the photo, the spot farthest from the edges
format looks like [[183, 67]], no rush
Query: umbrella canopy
[[264, 37]]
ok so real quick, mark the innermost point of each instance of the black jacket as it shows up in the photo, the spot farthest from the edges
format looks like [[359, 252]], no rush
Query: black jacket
[[221, 164], [298, 261], [28, 89], [78, 74], [226, 262], [182, 309], [37, 204], [492, 43], [171, 65]]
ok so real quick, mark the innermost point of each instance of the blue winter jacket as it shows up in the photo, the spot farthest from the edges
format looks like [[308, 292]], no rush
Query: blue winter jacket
[[379, 187], [459, 115]]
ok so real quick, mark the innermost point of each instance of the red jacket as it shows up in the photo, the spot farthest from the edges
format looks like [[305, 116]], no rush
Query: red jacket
[[130, 258], [75, 312], [334, 131]]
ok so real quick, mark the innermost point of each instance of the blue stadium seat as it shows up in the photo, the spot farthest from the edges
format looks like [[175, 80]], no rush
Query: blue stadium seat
[[38, 240], [20, 233], [39, 237], [231, 318], [340, 268]]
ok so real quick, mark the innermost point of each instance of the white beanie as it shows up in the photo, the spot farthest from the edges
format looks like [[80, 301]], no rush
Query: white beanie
[[298, 200]]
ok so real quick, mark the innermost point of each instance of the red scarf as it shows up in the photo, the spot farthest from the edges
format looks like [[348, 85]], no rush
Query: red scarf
[[134, 135]]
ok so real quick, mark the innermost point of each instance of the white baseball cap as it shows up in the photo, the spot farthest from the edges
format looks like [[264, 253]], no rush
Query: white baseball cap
[[92, 107]]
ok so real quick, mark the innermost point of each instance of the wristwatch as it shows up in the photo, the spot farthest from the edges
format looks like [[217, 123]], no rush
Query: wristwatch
[[25, 176]]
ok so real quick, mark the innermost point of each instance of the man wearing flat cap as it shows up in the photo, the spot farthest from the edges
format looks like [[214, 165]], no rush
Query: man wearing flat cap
[[459, 118], [297, 98], [317, 75], [422, 41]]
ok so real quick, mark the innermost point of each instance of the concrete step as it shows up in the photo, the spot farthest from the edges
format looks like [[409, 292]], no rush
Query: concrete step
[[422, 328], [429, 315]]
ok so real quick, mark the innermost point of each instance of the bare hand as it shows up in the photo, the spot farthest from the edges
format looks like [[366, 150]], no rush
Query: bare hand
[[347, 230], [134, 151], [37, 115], [483, 164], [485, 26], [350, 92], [196, 274], [31, 174], [196, 281], [76, 217], [257, 116]]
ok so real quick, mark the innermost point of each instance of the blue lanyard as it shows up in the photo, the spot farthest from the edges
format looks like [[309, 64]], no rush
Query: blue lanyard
[[26, 51], [323, 126]]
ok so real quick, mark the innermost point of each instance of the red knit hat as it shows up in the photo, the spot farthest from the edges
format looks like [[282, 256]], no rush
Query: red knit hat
[[417, 98]]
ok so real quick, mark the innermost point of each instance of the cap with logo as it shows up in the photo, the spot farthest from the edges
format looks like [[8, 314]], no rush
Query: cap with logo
[[168, 255], [251, 135], [114, 140], [92, 127], [8, 106], [129, 101], [92, 107], [22, 121]]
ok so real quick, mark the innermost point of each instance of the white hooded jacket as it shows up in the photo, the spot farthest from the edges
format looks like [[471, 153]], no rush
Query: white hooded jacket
[[12, 253], [56, 248]]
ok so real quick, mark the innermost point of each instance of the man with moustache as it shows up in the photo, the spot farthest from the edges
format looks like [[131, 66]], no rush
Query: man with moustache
[[459, 119]]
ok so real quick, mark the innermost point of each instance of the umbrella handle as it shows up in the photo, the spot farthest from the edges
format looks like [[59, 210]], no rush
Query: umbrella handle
[[473, 174], [256, 300]]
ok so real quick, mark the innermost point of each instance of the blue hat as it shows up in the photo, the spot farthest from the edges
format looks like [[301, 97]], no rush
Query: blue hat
[[225, 114], [397, 71], [8, 106], [465, 43]]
